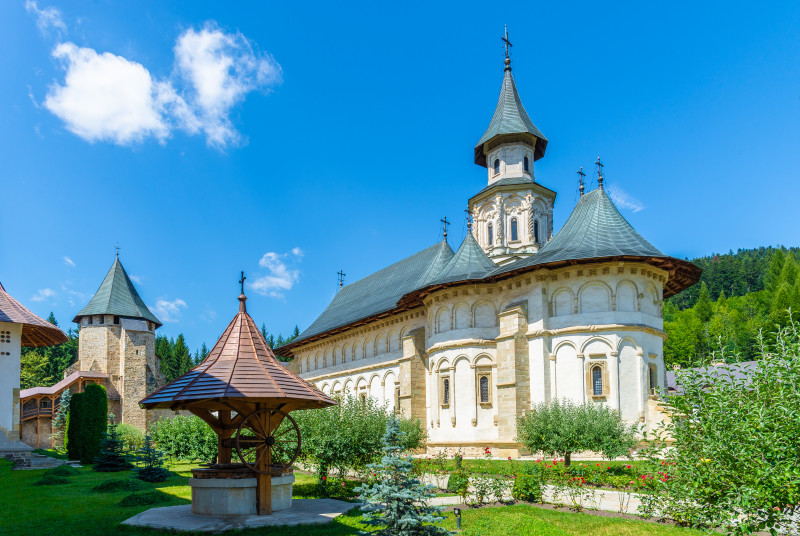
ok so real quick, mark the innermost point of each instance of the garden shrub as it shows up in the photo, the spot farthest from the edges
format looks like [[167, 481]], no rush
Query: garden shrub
[[52, 480], [733, 462], [112, 486], [63, 470], [144, 499], [348, 436], [73, 440], [563, 427], [132, 438], [528, 485], [185, 438]]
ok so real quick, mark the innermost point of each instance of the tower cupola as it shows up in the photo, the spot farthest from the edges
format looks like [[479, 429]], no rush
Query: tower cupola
[[512, 142]]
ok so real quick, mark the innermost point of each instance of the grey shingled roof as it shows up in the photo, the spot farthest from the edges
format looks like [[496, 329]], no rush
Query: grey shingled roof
[[735, 371], [595, 229], [117, 296], [469, 263], [380, 292], [510, 117]]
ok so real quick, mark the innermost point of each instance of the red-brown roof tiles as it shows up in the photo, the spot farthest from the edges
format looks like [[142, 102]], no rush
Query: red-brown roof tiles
[[35, 331]]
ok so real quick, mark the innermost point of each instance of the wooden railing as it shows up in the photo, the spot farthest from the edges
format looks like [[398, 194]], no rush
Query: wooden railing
[[30, 413]]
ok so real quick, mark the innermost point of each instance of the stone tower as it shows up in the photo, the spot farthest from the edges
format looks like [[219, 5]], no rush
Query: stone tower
[[117, 338], [513, 214]]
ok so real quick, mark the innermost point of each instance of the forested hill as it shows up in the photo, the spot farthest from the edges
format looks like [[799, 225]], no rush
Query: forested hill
[[738, 295]]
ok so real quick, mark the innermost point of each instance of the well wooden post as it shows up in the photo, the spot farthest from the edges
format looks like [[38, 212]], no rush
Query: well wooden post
[[224, 452], [264, 474]]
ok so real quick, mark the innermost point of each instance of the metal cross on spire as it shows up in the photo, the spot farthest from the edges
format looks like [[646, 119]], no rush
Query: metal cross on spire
[[469, 219], [241, 281], [508, 44], [580, 180], [445, 223], [116, 247], [599, 172], [341, 275]]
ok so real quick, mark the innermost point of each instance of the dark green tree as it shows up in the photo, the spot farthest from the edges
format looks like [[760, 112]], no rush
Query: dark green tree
[[703, 308], [112, 453], [150, 463], [182, 357]]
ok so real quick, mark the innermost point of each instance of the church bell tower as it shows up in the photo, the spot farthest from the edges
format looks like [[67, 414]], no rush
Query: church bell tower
[[513, 214]]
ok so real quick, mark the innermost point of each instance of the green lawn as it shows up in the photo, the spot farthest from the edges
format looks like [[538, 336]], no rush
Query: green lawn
[[73, 509]]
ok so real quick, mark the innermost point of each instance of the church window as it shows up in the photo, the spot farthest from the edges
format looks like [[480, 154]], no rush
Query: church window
[[491, 233], [653, 380], [363, 398], [496, 166], [89, 322], [445, 391], [536, 231], [483, 385], [597, 381], [514, 233], [525, 164], [116, 320]]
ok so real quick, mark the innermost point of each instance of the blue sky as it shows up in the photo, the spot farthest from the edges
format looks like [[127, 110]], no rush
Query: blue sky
[[292, 140]]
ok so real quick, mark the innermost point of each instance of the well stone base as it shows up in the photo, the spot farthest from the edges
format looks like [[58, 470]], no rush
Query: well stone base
[[237, 496]]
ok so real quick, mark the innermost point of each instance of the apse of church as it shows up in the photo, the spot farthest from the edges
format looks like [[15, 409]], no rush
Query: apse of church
[[468, 340]]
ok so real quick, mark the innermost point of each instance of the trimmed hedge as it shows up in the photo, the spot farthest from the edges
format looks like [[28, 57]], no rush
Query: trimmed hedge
[[86, 423], [185, 438]]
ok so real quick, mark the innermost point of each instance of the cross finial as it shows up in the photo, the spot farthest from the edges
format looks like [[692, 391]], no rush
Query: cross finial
[[116, 247], [241, 281], [599, 172], [341, 275], [469, 219], [580, 180], [508, 44], [445, 223]]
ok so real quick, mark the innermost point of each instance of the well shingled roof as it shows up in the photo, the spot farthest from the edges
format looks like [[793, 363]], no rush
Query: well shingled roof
[[240, 367], [35, 330]]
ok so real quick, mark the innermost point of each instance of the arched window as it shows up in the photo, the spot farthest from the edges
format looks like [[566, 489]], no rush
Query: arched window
[[496, 166], [514, 234], [525, 164], [483, 385], [536, 231], [597, 381], [446, 391], [491, 236]]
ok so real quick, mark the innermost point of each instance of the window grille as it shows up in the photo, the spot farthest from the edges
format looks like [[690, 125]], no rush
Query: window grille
[[597, 381], [446, 391], [484, 388], [525, 163], [497, 166], [491, 234]]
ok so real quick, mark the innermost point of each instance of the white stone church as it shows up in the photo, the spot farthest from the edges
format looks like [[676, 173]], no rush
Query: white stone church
[[468, 340]]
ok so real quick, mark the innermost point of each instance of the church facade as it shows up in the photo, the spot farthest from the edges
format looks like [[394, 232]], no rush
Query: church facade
[[466, 341]]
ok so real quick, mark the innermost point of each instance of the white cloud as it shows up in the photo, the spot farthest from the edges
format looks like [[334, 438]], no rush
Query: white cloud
[[221, 69], [43, 294], [69, 262], [136, 279], [624, 200], [106, 97], [169, 311], [47, 19], [282, 275]]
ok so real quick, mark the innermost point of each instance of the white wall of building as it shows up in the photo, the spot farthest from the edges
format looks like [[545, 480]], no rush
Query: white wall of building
[[10, 355]]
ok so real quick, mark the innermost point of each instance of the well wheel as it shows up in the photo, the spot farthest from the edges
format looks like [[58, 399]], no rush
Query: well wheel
[[267, 438]]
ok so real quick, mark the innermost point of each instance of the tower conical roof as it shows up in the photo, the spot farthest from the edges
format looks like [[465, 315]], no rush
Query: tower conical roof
[[469, 262], [510, 118], [35, 330], [117, 296], [242, 368]]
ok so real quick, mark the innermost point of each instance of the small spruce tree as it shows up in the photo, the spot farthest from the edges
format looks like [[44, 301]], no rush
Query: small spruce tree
[[111, 457], [59, 424], [399, 500], [152, 463]]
